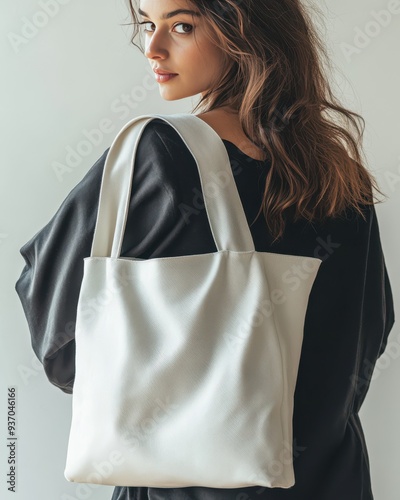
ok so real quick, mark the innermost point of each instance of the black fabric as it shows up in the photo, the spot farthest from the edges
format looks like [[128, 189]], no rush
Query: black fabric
[[349, 316]]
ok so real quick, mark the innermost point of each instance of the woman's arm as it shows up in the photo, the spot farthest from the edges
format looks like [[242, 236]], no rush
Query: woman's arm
[[377, 311], [50, 282]]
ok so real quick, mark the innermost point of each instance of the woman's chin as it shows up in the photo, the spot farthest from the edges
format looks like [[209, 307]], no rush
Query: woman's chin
[[169, 94]]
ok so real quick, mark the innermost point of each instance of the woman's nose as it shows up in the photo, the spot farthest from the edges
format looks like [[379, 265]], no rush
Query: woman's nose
[[155, 47]]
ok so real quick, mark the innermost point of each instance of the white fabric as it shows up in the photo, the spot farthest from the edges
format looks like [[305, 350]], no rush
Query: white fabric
[[185, 366]]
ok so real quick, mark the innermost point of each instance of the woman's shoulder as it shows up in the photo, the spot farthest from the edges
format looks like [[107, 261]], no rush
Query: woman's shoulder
[[160, 135], [162, 157]]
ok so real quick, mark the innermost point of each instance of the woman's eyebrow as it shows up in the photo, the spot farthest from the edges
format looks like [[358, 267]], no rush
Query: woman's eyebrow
[[168, 15]]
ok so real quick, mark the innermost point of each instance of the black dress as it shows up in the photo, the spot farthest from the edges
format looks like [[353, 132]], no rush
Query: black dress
[[349, 315]]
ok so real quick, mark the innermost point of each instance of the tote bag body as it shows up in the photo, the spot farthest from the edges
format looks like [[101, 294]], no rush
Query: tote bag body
[[185, 366]]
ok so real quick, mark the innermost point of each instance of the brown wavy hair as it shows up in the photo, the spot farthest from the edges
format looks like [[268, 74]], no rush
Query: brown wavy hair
[[275, 79]]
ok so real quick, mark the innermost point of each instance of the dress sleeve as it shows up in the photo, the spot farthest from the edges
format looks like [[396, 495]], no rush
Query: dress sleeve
[[377, 279], [377, 310], [389, 312], [49, 284]]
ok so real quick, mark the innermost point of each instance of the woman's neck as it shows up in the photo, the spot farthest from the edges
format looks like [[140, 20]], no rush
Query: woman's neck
[[226, 124]]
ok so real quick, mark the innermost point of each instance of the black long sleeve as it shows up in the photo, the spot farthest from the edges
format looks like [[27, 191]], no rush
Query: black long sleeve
[[50, 282]]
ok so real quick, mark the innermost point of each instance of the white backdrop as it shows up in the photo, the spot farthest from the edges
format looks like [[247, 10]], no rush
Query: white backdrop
[[70, 81]]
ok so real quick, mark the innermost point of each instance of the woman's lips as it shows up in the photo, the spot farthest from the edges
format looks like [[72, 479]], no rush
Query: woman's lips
[[164, 78]]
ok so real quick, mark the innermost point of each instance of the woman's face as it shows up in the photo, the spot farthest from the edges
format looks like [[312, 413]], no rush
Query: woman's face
[[179, 45]]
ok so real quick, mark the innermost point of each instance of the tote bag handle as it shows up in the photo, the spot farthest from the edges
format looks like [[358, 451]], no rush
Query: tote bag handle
[[222, 202]]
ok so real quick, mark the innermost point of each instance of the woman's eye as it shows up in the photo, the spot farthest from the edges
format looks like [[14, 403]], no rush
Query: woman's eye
[[178, 24], [144, 25], [186, 25]]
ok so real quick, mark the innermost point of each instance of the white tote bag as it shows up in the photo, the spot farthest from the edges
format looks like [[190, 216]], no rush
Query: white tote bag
[[185, 366]]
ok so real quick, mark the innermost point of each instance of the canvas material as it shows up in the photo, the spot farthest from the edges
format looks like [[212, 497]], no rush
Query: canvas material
[[185, 366]]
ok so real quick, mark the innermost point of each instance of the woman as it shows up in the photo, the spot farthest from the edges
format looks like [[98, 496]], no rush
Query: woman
[[258, 67]]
